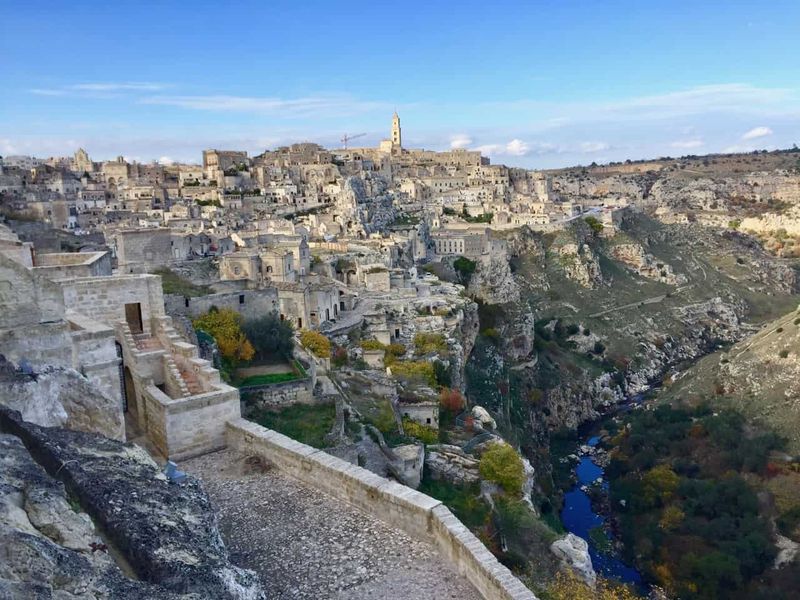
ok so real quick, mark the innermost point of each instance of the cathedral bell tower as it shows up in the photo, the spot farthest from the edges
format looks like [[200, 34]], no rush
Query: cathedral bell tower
[[397, 141]]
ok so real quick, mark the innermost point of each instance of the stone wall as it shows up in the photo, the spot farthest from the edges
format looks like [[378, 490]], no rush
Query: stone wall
[[400, 506], [251, 304], [186, 427], [277, 395], [70, 265], [104, 298]]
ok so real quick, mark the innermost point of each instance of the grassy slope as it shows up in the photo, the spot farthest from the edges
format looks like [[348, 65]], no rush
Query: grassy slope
[[753, 377]]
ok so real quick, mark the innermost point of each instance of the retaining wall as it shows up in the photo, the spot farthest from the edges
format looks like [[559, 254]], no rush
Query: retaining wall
[[415, 513]]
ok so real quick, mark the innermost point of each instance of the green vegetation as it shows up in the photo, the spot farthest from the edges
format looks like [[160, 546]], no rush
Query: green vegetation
[[595, 225], [501, 464], [464, 268], [415, 370], [308, 424], [172, 283], [225, 325], [268, 378], [689, 520], [372, 344], [465, 502], [429, 343], [484, 218], [423, 433], [271, 336], [316, 343]]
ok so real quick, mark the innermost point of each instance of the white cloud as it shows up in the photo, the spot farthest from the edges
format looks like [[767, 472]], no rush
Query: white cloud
[[687, 144], [99, 89], [757, 132], [460, 141], [140, 86], [591, 147], [166, 160], [308, 106], [513, 148], [517, 148]]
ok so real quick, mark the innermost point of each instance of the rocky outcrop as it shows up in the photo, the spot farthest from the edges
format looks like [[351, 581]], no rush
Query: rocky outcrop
[[57, 397], [646, 265], [450, 463], [709, 325], [493, 281], [580, 264], [47, 548], [166, 532], [573, 552]]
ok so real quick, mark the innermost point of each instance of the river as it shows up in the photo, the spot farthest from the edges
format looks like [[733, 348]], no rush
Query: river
[[579, 518]]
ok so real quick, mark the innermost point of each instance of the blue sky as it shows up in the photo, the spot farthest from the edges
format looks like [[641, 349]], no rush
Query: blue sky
[[537, 84]]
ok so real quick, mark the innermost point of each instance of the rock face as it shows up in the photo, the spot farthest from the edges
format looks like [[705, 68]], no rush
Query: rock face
[[450, 463], [580, 264], [56, 397], [574, 554], [633, 256], [167, 532], [47, 549]]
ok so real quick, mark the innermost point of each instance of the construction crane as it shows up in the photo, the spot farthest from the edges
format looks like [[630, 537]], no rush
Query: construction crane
[[346, 138]]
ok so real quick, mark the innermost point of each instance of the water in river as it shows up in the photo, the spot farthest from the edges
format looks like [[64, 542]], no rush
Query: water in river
[[579, 518]]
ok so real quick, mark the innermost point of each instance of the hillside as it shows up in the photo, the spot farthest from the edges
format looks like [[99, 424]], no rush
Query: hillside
[[759, 376]]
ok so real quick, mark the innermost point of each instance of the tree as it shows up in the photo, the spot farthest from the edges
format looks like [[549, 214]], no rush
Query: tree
[[465, 268], [316, 343], [659, 484], [595, 225], [451, 400], [501, 464], [226, 327], [270, 336]]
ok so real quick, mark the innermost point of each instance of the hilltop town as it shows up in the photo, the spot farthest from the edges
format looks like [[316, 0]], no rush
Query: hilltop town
[[336, 328]]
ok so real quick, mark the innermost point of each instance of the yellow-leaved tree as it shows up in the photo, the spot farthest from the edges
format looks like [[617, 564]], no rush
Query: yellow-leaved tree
[[226, 326], [501, 463]]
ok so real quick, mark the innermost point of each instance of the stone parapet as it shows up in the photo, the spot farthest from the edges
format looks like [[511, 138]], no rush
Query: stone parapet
[[415, 513]]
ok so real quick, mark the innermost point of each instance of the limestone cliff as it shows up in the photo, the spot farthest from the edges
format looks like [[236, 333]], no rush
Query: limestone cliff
[[162, 533], [54, 396]]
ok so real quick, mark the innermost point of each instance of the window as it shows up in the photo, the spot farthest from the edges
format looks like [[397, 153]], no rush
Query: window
[[428, 420], [241, 298]]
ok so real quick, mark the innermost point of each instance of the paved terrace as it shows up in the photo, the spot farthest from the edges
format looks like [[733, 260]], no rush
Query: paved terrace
[[306, 544]]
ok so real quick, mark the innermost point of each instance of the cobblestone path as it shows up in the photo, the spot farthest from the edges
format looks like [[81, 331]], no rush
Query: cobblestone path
[[306, 544]]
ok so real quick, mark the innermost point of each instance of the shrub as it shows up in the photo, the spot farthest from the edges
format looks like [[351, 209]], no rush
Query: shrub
[[226, 327], [339, 358], [393, 352], [428, 343], [425, 434], [372, 345], [416, 370], [316, 343], [595, 225], [783, 353], [451, 400], [442, 374], [491, 334], [465, 268], [270, 335], [501, 464]]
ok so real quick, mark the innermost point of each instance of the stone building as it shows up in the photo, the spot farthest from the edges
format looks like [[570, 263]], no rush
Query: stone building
[[140, 250], [113, 330]]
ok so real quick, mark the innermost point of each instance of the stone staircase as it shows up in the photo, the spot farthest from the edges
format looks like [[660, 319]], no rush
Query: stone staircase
[[146, 343], [191, 381]]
